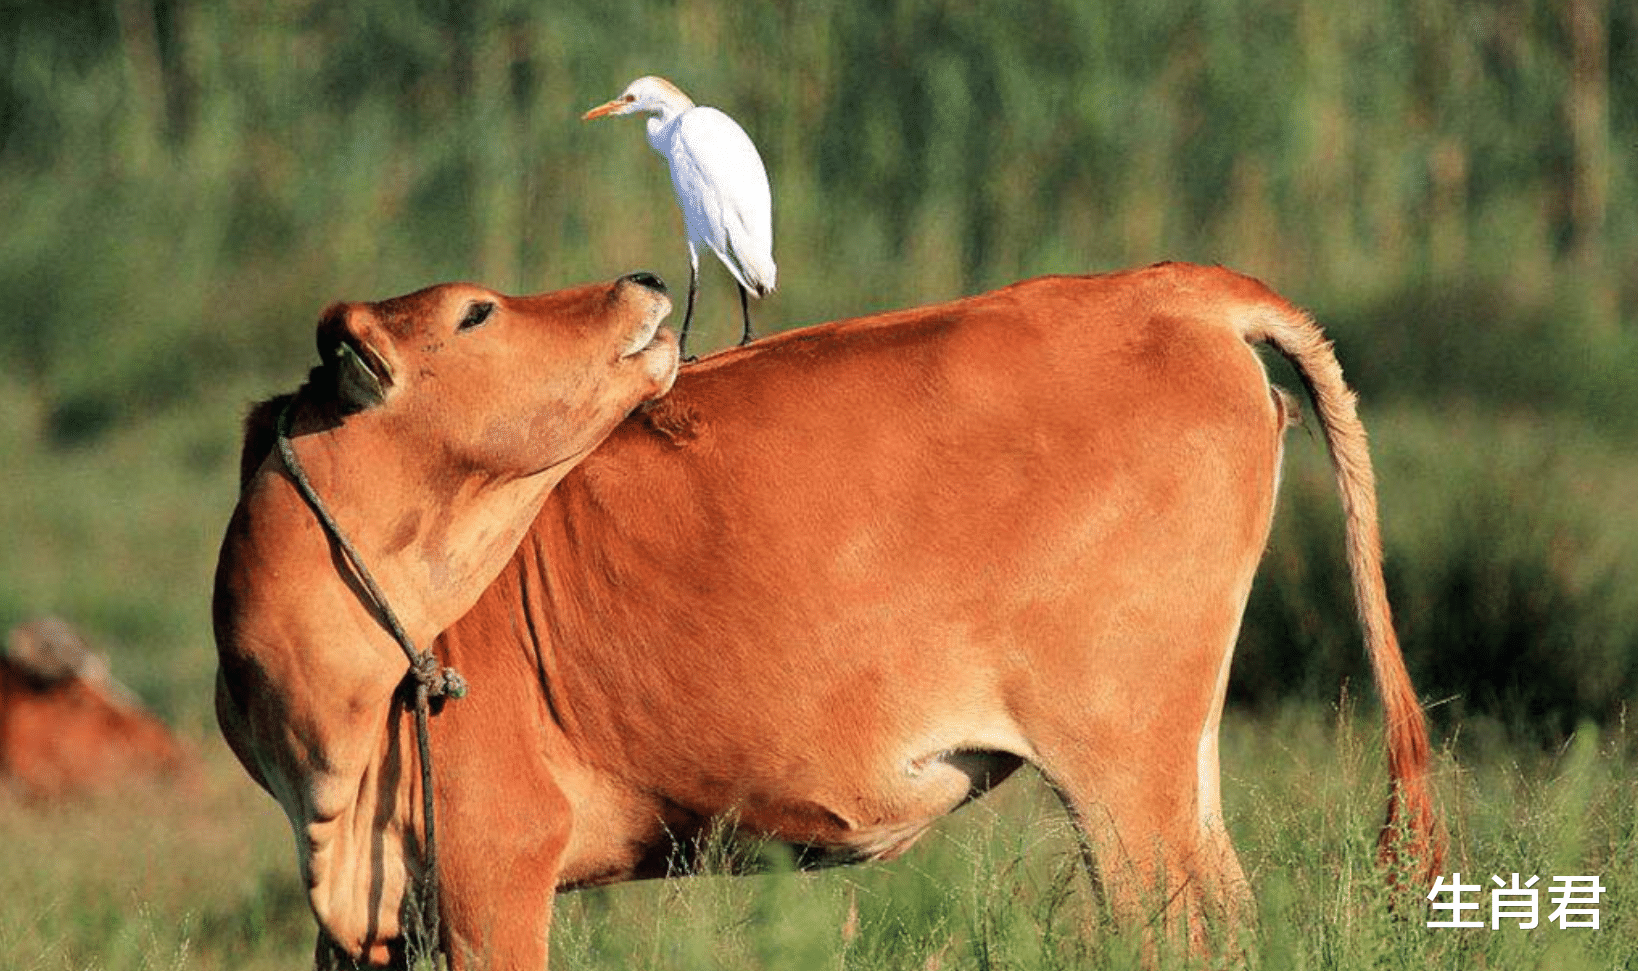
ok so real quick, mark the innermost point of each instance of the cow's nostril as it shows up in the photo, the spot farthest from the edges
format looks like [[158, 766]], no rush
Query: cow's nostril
[[647, 279]]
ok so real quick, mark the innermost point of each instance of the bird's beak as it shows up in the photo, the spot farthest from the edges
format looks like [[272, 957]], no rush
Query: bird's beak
[[607, 107]]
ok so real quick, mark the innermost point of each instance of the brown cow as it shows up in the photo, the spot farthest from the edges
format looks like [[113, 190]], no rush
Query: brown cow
[[845, 579], [68, 728], [433, 430]]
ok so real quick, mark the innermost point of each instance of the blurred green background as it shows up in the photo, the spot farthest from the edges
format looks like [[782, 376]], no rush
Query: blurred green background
[[1450, 187]]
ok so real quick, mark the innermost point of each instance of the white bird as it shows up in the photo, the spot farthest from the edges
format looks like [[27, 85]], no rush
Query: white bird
[[721, 185]]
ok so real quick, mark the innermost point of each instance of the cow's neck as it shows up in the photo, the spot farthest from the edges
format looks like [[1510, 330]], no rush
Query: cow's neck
[[432, 538]]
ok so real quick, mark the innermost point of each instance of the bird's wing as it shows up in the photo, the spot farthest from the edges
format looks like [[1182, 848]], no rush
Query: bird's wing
[[722, 188]]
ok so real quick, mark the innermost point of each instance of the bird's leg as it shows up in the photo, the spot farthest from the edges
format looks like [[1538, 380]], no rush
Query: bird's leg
[[688, 315], [745, 313]]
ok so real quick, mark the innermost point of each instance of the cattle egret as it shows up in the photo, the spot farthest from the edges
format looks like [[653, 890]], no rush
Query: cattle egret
[[721, 185]]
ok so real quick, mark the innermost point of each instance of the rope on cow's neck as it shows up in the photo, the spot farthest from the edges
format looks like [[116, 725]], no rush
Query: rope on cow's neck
[[432, 680]]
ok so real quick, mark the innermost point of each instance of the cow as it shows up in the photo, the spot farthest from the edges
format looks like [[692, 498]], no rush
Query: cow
[[838, 583], [431, 431], [69, 729]]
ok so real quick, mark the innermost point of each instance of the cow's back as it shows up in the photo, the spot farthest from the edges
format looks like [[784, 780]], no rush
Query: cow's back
[[979, 421]]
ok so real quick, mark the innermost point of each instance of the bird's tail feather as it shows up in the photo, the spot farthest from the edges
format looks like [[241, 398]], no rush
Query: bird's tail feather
[[756, 274]]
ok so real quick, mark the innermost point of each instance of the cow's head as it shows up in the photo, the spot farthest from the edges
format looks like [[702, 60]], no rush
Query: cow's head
[[432, 432], [501, 385]]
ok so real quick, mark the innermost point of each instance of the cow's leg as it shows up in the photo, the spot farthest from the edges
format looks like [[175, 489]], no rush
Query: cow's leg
[[1145, 848], [327, 956], [503, 825], [501, 837], [1138, 772], [503, 822]]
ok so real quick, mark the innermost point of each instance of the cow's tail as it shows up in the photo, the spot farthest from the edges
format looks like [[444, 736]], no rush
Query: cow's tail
[[1412, 842]]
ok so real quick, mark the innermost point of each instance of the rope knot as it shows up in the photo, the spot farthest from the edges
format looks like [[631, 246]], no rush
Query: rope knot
[[439, 681]]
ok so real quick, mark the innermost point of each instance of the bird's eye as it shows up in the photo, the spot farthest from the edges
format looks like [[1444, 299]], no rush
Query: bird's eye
[[477, 314]]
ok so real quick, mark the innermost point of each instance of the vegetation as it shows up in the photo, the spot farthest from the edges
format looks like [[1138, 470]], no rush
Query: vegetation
[[204, 880], [1449, 186]]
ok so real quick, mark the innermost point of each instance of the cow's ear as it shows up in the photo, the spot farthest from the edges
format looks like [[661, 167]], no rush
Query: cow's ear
[[352, 348], [358, 384]]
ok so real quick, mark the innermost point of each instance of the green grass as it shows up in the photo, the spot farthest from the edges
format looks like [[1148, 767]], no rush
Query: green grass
[[1511, 544], [205, 879], [185, 183], [150, 879]]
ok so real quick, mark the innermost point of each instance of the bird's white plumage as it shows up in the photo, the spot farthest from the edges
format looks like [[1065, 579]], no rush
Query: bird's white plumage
[[722, 189], [721, 184]]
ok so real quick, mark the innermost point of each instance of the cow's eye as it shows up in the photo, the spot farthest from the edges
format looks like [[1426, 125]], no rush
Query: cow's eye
[[477, 314]]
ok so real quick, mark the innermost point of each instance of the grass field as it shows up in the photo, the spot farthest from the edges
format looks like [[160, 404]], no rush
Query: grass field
[[1450, 187], [205, 879]]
